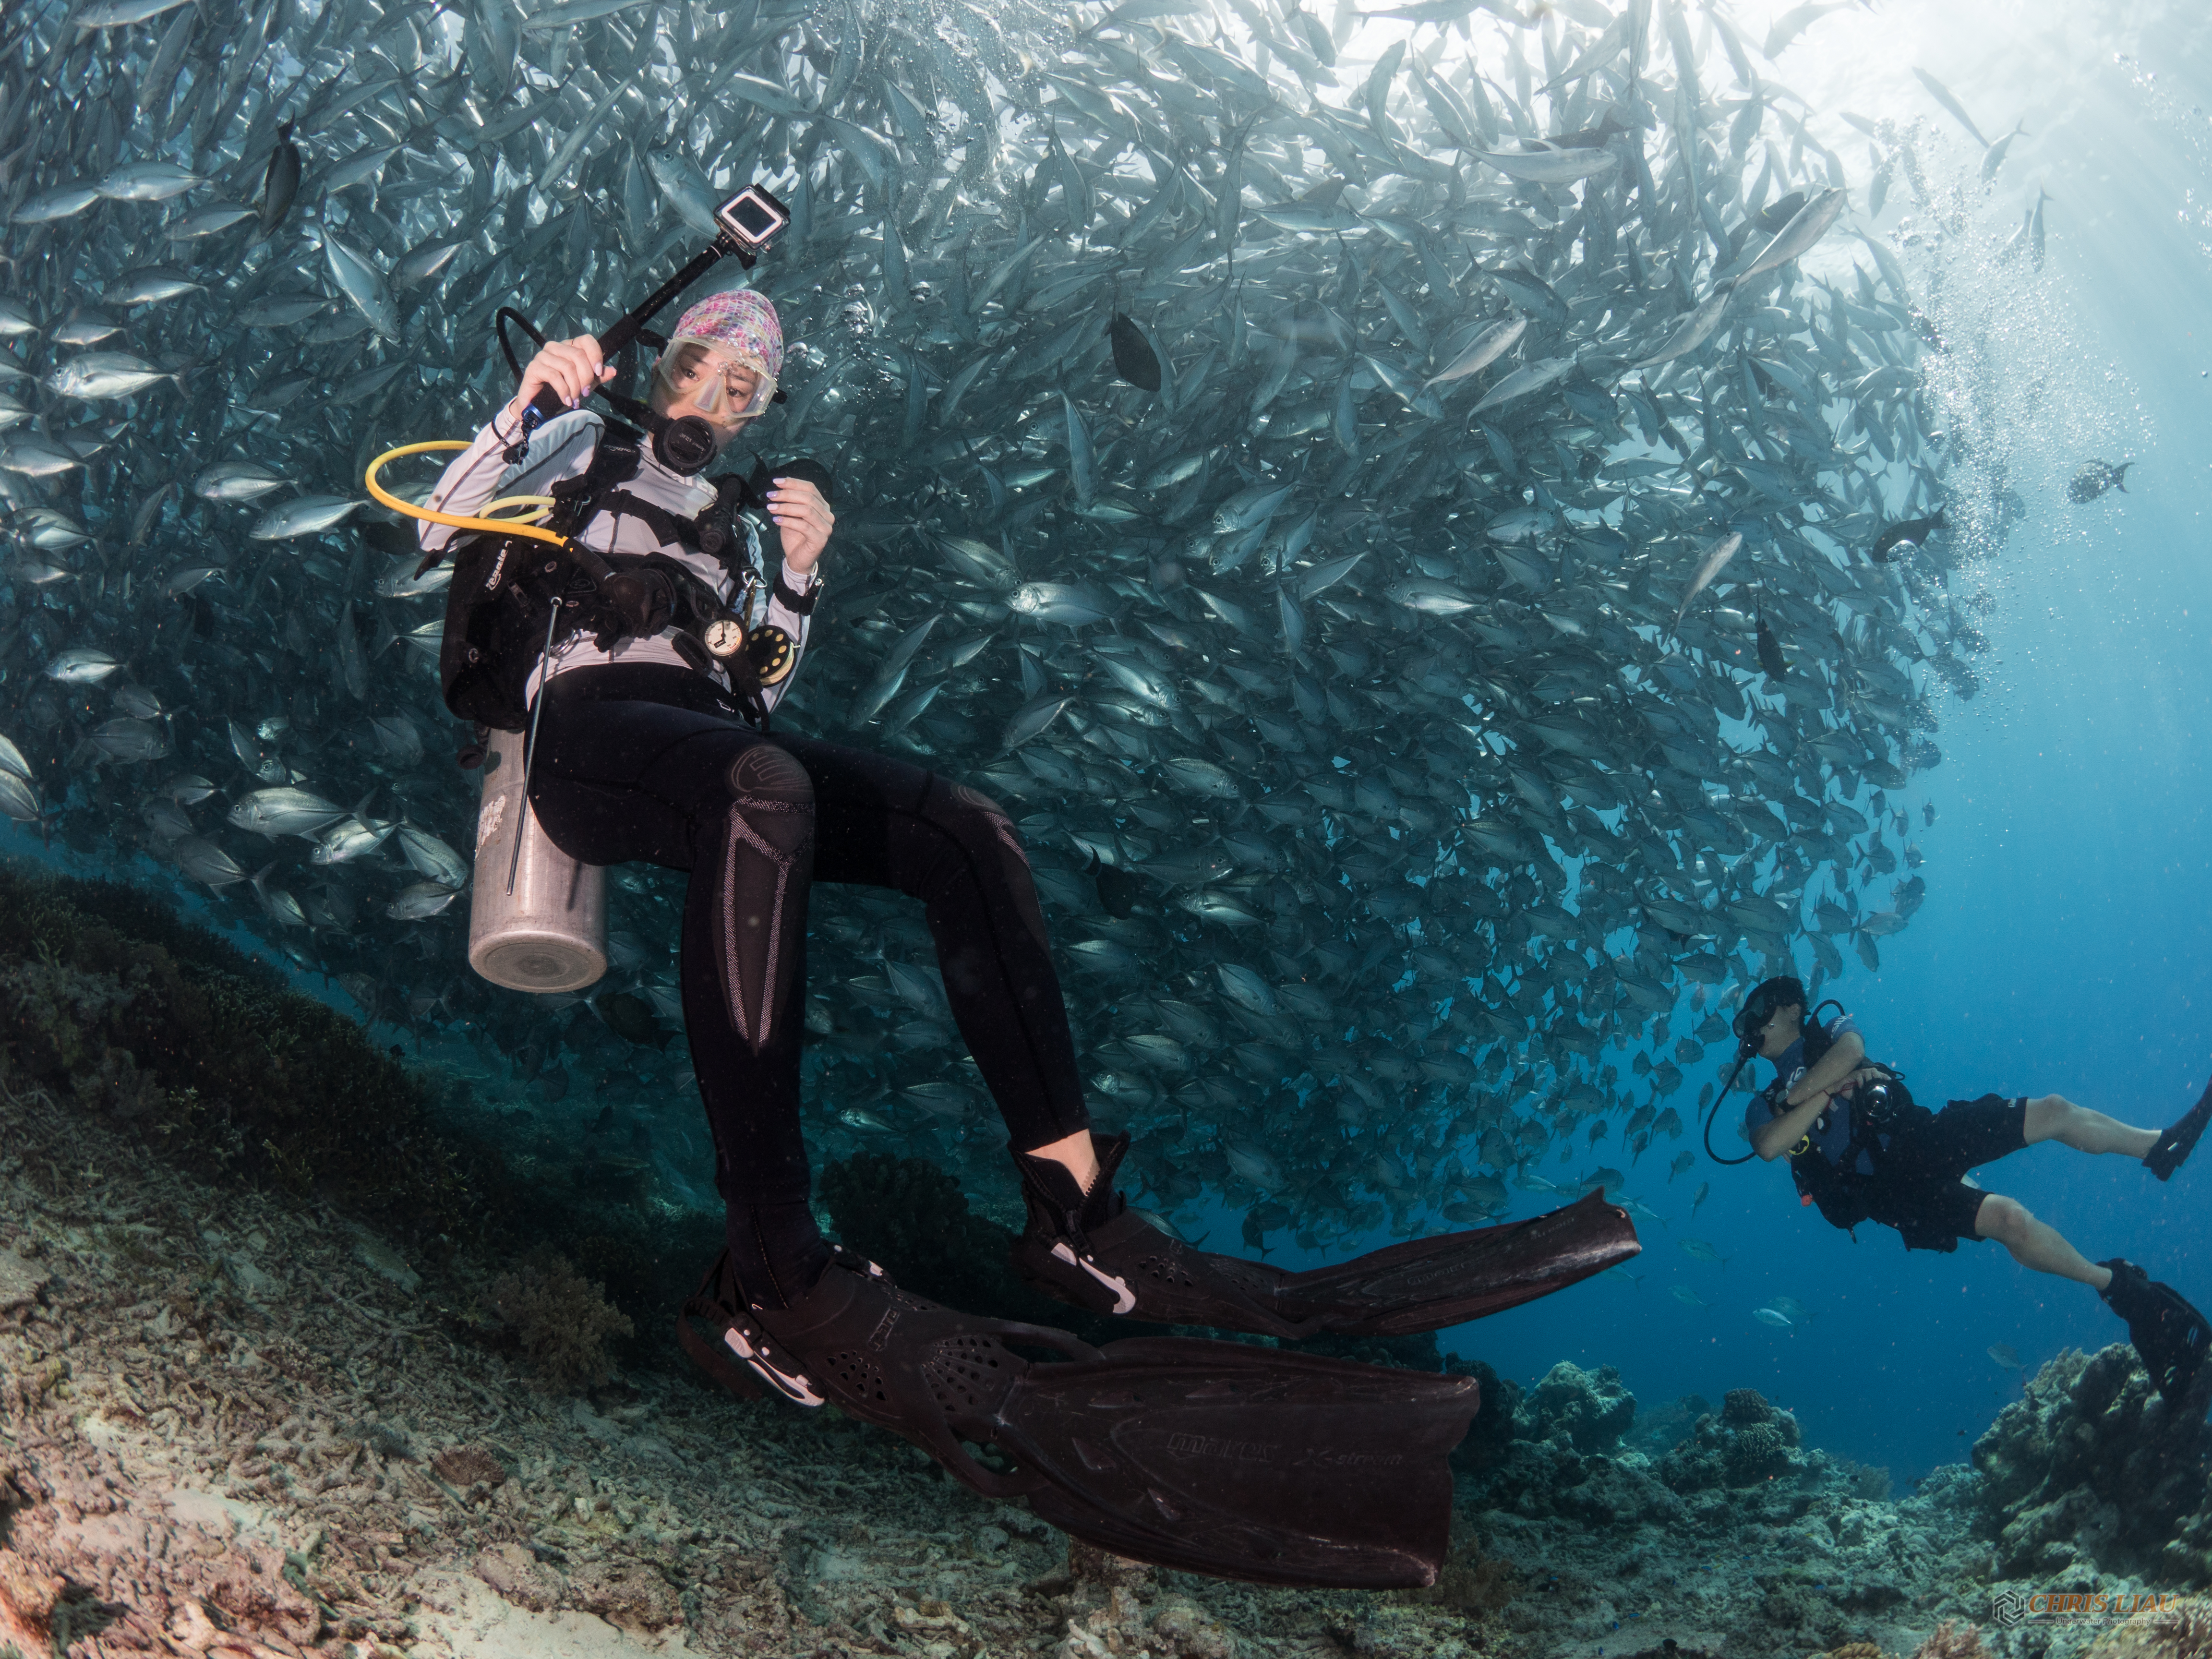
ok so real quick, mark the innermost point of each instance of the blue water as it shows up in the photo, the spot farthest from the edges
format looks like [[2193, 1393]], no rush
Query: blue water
[[2066, 945]]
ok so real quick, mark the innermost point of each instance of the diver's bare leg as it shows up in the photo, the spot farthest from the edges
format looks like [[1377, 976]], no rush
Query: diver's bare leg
[[2035, 1243], [2054, 1117]]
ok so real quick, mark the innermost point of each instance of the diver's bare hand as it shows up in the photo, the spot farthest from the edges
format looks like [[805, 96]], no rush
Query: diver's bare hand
[[571, 368], [805, 520]]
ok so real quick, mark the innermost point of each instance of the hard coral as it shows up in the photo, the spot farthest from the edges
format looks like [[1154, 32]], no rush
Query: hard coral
[[1470, 1583], [561, 1320], [1754, 1454], [2181, 1630], [1591, 1409], [2091, 1464], [465, 1466], [1950, 1642], [1744, 1407]]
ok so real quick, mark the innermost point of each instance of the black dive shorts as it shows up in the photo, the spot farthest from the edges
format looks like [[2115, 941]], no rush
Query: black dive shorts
[[1925, 1199]]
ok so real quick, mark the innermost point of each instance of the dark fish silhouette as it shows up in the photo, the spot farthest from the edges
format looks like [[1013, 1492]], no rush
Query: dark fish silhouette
[[280, 183], [1134, 360], [1120, 891], [1908, 530], [2095, 477], [1770, 651], [629, 1017]]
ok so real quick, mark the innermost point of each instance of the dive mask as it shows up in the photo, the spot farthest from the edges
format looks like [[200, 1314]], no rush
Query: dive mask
[[710, 388], [1759, 1006]]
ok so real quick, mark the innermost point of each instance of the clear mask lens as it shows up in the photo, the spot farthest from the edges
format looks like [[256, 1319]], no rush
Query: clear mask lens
[[716, 389]]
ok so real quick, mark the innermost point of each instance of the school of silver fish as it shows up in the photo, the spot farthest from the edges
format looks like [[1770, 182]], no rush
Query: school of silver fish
[[1396, 537]]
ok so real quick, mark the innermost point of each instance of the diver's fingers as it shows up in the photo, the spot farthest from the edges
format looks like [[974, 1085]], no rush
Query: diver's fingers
[[797, 505], [569, 367], [804, 519], [797, 495]]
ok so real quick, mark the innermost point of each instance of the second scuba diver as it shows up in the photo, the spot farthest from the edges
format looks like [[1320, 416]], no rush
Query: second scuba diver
[[1862, 1150], [652, 744]]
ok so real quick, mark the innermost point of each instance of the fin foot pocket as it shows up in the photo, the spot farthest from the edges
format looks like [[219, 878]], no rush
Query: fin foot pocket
[[2170, 1337], [2177, 1143]]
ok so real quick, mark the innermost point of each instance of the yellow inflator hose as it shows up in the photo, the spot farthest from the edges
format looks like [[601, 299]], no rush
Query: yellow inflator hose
[[524, 525]]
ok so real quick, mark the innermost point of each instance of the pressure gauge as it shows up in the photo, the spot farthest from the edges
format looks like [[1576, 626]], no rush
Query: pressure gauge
[[725, 637]]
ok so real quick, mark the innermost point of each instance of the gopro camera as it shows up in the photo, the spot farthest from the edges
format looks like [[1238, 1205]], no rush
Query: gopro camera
[[750, 220]]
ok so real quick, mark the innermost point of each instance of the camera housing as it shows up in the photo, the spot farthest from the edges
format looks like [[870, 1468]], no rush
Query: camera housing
[[750, 220]]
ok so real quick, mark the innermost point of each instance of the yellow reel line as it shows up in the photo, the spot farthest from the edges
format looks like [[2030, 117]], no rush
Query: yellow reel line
[[540, 505]]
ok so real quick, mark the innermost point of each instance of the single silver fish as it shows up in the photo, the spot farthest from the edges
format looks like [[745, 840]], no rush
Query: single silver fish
[[1489, 346], [362, 284], [38, 457], [1551, 166], [203, 860], [237, 481], [82, 665], [309, 516], [98, 374], [284, 811], [64, 203], [1057, 602], [1722, 551], [147, 181]]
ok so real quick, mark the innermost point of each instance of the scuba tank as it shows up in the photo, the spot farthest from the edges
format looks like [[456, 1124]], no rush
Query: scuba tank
[[538, 919]]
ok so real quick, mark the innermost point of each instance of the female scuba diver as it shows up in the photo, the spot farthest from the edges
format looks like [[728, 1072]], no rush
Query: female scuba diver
[[648, 748]]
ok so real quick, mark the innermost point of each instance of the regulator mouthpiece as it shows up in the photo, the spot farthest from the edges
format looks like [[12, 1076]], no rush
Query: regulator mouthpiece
[[685, 445]]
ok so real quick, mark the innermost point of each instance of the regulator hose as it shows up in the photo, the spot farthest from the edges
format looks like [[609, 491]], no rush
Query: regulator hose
[[1743, 1055], [517, 526]]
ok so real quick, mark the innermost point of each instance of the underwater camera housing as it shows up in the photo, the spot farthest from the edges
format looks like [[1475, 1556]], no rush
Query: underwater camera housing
[[750, 220]]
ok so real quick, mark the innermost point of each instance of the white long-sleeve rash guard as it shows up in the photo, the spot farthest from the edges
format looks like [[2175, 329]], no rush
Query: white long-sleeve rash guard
[[562, 448]]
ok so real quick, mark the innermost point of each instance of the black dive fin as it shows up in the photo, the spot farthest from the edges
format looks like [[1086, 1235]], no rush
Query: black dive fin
[[1213, 1457], [2176, 1144], [1426, 1284], [1091, 1250], [1245, 1462], [2171, 1336]]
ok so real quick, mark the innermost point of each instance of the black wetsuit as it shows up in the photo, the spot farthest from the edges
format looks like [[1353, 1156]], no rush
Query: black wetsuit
[[653, 762]]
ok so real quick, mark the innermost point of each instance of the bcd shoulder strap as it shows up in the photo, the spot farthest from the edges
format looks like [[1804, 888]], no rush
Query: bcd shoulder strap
[[615, 460]]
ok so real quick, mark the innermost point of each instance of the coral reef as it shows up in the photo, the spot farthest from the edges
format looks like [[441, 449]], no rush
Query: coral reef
[[259, 1396], [560, 1321], [108, 998], [280, 1433], [1750, 1442], [1490, 1436], [2180, 1631], [1660, 1429], [1950, 1642], [1591, 1409], [2089, 1465]]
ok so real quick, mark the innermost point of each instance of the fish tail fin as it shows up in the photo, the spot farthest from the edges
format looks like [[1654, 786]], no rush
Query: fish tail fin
[[2120, 477]]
